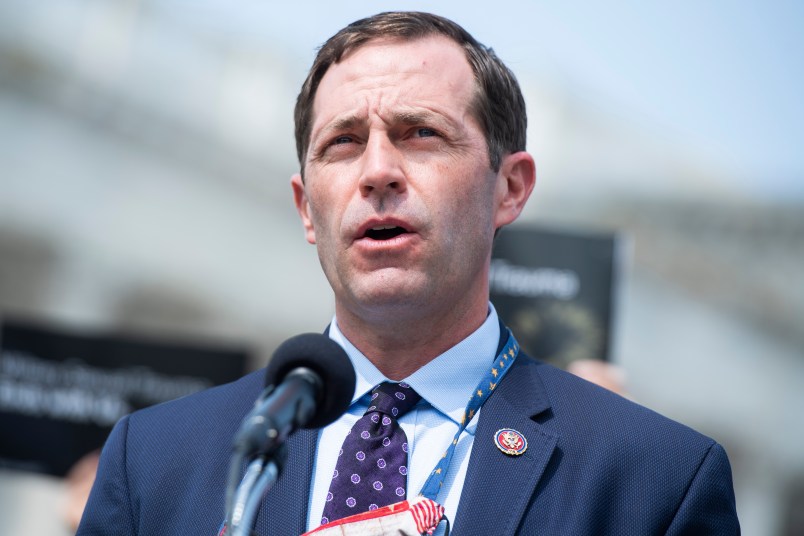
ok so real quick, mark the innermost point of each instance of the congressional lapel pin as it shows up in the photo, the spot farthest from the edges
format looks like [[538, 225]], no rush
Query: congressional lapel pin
[[510, 442]]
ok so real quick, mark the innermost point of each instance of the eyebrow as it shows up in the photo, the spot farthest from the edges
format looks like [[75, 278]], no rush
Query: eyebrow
[[414, 118], [342, 123], [403, 117]]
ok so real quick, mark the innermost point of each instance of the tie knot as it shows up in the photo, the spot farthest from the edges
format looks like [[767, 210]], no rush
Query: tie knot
[[393, 399]]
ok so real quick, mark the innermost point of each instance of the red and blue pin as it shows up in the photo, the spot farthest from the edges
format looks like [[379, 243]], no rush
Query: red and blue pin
[[510, 442]]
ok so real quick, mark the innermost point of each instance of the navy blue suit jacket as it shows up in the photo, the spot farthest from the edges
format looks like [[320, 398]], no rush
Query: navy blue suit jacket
[[595, 464]]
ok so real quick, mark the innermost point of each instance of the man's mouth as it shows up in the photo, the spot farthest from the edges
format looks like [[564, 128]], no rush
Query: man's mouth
[[384, 232]]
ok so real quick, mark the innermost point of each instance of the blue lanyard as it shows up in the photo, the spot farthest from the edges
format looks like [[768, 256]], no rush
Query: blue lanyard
[[482, 392]]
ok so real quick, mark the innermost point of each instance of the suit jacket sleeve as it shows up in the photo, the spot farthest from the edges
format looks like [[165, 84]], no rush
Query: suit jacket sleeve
[[708, 507], [109, 510]]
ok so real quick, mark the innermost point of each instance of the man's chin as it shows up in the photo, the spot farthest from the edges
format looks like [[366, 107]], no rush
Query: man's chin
[[390, 294]]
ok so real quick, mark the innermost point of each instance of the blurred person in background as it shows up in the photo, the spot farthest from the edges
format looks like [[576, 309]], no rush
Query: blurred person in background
[[411, 143]]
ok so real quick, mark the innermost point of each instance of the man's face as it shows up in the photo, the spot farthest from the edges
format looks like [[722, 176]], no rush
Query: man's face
[[398, 194]]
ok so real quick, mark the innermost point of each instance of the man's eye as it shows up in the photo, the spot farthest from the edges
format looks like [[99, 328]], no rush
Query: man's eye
[[341, 140], [425, 132]]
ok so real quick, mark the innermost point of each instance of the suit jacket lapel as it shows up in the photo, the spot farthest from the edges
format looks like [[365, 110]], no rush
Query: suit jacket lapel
[[284, 509], [499, 486]]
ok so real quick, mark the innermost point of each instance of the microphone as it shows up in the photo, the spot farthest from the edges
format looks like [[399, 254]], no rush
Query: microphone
[[309, 382]]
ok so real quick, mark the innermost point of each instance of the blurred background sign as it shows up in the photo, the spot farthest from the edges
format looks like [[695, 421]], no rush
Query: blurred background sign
[[61, 393], [556, 290]]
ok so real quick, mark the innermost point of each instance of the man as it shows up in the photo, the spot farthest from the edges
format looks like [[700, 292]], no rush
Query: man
[[411, 138]]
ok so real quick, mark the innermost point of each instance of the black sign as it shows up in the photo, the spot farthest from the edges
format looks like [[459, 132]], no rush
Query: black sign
[[555, 290], [60, 393]]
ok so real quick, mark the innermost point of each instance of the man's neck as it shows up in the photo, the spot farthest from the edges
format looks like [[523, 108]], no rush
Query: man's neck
[[400, 347]]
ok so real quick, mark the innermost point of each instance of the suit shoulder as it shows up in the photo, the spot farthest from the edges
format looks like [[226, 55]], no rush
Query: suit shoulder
[[213, 412], [581, 405], [227, 396]]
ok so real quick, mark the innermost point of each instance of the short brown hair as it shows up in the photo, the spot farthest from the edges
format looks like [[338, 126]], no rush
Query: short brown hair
[[498, 104]]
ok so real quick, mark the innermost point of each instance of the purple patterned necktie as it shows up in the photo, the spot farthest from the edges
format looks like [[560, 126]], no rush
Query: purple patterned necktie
[[372, 466]]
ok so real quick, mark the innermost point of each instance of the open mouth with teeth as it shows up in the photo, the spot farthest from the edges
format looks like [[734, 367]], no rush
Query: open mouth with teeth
[[384, 232]]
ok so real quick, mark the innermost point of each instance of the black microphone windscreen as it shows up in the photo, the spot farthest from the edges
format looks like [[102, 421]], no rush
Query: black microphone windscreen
[[326, 358]]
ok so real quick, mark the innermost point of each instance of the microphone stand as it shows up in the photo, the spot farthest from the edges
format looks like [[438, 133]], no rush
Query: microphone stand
[[260, 476], [243, 500]]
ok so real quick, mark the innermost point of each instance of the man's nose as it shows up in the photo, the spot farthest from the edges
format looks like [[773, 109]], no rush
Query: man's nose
[[383, 170]]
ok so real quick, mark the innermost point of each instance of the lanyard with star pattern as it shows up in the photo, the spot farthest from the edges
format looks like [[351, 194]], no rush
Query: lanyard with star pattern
[[482, 392]]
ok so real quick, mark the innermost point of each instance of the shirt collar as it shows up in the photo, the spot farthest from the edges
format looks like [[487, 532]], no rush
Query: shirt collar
[[448, 381]]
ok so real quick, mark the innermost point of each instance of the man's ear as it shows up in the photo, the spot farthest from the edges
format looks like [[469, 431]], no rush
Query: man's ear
[[515, 182], [303, 206]]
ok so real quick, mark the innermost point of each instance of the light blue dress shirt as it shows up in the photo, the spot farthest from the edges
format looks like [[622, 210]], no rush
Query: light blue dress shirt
[[445, 384]]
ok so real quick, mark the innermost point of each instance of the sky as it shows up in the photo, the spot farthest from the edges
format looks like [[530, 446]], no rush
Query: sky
[[725, 77]]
